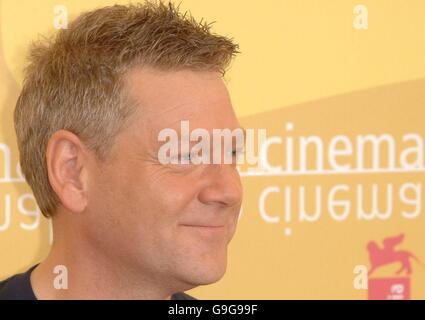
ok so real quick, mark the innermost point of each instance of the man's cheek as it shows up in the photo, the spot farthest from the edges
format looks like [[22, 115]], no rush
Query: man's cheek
[[177, 200]]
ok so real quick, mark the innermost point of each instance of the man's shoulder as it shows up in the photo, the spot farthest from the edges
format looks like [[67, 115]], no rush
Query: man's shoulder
[[182, 296], [17, 287]]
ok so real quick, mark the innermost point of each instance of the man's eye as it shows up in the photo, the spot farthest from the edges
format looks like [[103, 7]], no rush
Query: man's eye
[[237, 152]]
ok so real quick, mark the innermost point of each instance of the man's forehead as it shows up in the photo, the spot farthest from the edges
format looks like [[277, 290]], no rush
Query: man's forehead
[[164, 99], [158, 86]]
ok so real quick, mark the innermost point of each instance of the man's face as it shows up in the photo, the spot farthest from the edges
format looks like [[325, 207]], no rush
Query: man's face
[[170, 222]]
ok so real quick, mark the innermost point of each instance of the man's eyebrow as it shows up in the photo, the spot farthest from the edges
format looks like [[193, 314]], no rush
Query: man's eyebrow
[[239, 128], [210, 132]]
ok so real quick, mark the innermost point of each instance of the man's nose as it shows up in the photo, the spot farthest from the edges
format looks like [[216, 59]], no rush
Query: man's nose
[[223, 186]]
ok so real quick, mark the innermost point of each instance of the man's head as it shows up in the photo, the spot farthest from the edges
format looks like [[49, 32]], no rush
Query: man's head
[[94, 100]]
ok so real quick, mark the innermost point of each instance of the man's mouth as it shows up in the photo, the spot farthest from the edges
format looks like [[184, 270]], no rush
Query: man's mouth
[[206, 229], [203, 226]]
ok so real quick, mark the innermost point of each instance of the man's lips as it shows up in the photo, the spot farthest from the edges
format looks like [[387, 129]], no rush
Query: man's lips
[[203, 226], [205, 230]]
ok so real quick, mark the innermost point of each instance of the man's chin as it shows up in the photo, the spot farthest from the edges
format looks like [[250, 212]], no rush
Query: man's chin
[[200, 277]]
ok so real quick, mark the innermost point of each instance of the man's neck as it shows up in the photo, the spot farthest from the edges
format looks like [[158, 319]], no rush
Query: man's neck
[[85, 274]]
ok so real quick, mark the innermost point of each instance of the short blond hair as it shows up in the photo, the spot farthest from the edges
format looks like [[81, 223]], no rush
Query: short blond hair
[[75, 79]]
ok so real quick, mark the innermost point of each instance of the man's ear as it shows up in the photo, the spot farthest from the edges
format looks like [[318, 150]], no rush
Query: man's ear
[[67, 166]]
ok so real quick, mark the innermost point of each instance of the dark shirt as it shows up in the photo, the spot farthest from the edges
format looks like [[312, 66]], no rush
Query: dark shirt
[[18, 287]]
